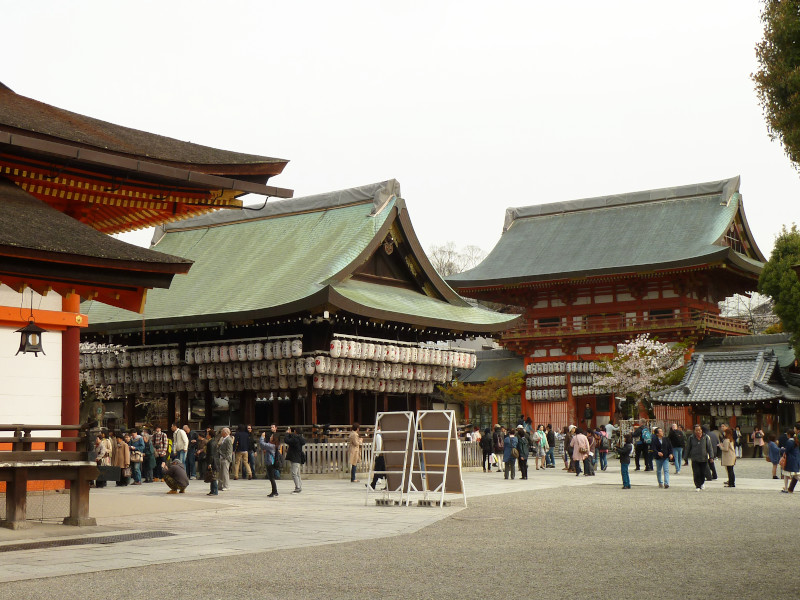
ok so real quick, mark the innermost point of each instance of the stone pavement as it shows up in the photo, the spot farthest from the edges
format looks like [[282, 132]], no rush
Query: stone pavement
[[243, 520]]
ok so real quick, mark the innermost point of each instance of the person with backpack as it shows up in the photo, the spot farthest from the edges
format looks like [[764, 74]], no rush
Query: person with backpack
[[487, 448], [643, 439], [523, 447]]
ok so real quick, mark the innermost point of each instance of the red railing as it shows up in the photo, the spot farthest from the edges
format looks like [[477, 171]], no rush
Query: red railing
[[600, 324]]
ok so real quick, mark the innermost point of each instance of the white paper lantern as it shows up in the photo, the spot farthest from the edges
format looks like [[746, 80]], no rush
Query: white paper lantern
[[269, 353], [320, 364], [336, 348], [258, 351], [224, 355]]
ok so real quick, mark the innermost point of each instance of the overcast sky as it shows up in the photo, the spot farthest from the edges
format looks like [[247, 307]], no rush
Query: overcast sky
[[472, 106]]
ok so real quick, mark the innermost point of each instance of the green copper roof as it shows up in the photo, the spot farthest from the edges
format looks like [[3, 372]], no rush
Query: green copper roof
[[641, 231], [288, 257]]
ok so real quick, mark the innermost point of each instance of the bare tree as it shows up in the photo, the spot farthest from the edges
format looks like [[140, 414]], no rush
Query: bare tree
[[752, 308], [448, 260]]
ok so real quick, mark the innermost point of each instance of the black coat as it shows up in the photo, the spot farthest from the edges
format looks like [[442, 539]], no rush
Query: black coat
[[661, 445], [295, 443]]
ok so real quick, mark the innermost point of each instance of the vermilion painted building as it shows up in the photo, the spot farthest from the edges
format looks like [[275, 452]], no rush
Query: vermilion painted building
[[66, 180], [588, 274]]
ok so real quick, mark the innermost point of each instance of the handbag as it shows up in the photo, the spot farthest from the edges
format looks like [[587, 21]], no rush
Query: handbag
[[136, 456], [126, 472], [782, 462], [515, 453]]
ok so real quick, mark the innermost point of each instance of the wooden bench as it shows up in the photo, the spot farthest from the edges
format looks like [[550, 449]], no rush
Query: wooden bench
[[22, 464]]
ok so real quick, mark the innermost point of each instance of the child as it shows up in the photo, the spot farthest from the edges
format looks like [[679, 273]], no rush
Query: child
[[773, 455], [211, 477]]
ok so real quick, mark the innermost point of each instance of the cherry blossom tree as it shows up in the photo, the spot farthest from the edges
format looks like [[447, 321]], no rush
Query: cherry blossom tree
[[640, 366]]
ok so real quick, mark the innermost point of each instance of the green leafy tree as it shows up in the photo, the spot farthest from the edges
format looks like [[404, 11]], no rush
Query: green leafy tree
[[494, 389], [778, 78], [779, 281]]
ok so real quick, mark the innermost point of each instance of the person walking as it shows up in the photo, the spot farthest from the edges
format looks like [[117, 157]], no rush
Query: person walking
[[294, 454], [737, 440], [603, 445], [728, 460], [224, 458], [241, 447], [662, 452], [523, 447], [498, 439], [354, 451], [791, 468], [774, 453], [122, 459], [624, 451], [269, 445], [551, 443], [379, 464], [486, 447], [700, 450], [509, 451], [136, 443], [541, 446], [580, 450], [678, 442], [757, 437]]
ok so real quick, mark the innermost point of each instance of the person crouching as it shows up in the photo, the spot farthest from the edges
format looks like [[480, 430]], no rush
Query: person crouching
[[175, 477]]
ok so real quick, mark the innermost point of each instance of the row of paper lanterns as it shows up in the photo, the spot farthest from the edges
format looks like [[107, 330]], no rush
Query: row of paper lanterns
[[338, 382], [725, 410], [353, 349], [557, 380], [543, 368], [549, 394]]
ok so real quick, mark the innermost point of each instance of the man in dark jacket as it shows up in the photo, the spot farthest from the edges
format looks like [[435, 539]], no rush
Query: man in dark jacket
[[714, 437], [662, 451], [678, 443], [551, 443], [241, 446], [294, 454], [700, 450]]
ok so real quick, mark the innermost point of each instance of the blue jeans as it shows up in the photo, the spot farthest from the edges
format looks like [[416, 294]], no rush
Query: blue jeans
[[678, 454], [551, 459], [662, 464], [190, 465], [181, 456], [626, 480], [603, 460], [214, 487], [136, 471]]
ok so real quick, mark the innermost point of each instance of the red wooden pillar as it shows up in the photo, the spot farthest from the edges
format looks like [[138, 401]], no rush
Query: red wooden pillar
[[466, 411], [494, 414], [70, 370], [417, 403]]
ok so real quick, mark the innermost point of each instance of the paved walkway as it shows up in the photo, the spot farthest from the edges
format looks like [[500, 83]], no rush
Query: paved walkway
[[243, 520]]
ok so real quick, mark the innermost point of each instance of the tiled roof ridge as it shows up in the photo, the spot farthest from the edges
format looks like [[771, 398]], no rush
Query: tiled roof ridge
[[379, 194], [727, 187]]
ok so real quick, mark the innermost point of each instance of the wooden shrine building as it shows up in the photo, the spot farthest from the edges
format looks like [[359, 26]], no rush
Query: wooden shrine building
[[66, 181], [589, 274], [322, 309]]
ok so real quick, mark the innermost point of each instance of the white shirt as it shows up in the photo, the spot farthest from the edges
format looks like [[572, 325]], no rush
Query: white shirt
[[180, 440], [377, 443]]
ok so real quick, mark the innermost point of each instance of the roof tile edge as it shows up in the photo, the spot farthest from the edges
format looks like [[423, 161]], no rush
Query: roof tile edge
[[727, 187]]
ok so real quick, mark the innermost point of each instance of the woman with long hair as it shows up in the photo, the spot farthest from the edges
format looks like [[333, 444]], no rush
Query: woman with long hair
[[728, 447]]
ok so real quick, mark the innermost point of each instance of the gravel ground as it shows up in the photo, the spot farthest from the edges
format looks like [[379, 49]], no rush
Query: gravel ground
[[597, 539]]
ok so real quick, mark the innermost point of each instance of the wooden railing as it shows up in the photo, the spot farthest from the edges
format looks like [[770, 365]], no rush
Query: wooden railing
[[41, 458], [629, 325]]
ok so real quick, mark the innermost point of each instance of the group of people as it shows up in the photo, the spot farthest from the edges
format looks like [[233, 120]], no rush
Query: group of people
[[512, 447], [143, 456]]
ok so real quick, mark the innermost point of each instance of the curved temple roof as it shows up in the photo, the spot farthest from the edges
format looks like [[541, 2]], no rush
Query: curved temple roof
[[43, 120], [300, 256], [639, 231]]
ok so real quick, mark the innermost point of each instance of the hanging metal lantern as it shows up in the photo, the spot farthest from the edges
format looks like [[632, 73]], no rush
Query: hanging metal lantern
[[30, 339]]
